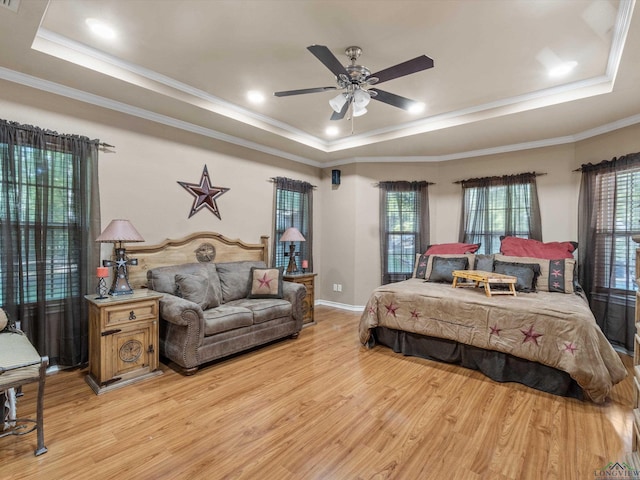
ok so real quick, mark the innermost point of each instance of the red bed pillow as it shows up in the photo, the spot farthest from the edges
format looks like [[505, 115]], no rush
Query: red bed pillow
[[452, 248], [525, 247]]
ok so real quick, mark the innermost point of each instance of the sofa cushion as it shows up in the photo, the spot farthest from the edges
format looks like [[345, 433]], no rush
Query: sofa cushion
[[233, 278], [196, 288], [265, 309], [163, 279], [265, 282], [226, 317]]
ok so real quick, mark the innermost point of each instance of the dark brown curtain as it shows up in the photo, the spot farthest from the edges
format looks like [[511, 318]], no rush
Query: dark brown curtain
[[293, 208], [499, 206], [404, 227], [608, 219], [49, 219]]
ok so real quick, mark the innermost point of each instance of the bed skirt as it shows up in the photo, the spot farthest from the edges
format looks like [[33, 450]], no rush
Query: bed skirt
[[498, 366]]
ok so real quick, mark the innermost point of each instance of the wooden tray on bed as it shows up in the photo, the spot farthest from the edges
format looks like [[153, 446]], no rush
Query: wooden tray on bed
[[475, 277]]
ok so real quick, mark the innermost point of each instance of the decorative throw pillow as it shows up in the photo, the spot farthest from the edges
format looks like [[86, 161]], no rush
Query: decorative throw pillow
[[452, 248], [555, 275], [420, 269], [265, 282], [526, 273], [484, 263], [442, 268], [526, 247], [196, 288], [425, 272]]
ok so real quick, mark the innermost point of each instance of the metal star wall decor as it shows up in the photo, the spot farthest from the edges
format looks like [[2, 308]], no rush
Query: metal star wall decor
[[205, 194]]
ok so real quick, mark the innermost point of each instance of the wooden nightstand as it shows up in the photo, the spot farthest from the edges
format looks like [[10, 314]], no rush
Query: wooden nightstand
[[123, 339], [307, 279]]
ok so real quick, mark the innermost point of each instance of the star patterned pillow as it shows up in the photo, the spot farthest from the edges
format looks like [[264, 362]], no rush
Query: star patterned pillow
[[265, 282]]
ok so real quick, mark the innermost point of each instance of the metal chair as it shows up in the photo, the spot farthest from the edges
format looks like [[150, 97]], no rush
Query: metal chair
[[20, 364]]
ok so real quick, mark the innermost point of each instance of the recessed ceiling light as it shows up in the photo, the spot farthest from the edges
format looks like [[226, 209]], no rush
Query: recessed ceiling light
[[417, 107], [100, 28], [255, 96], [332, 131], [562, 69]]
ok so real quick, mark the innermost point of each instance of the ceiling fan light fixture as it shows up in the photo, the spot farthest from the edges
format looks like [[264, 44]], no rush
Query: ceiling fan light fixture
[[358, 111], [361, 98], [338, 102]]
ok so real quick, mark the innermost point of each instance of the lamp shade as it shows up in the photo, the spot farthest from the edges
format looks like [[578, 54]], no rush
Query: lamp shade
[[361, 98], [292, 235], [358, 111], [338, 102], [120, 231]]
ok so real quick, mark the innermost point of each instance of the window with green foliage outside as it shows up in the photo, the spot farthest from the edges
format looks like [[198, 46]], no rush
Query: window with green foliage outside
[[22, 193], [404, 227]]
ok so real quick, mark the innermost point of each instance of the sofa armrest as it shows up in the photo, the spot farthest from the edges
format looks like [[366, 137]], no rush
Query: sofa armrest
[[182, 331], [179, 311], [295, 293]]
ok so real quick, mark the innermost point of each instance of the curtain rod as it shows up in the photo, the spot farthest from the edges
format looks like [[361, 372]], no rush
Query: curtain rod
[[377, 185], [104, 147], [274, 180], [537, 174]]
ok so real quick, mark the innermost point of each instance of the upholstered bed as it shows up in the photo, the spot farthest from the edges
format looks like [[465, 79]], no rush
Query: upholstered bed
[[548, 340]]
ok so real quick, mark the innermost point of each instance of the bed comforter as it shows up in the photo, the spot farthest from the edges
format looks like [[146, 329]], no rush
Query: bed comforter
[[554, 329]]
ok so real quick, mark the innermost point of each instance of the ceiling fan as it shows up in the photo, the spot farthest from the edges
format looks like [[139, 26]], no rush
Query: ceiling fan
[[356, 81]]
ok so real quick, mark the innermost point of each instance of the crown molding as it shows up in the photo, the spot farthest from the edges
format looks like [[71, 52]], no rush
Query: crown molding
[[91, 99], [67, 49]]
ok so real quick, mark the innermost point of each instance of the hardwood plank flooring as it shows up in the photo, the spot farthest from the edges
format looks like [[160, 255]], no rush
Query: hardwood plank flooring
[[319, 407]]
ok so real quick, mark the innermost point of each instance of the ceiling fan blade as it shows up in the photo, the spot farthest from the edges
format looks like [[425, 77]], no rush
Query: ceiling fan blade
[[329, 60], [405, 68], [340, 115], [287, 93], [393, 99]]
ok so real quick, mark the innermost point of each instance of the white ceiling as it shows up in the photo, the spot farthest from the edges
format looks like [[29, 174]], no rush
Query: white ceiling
[[190, 63]]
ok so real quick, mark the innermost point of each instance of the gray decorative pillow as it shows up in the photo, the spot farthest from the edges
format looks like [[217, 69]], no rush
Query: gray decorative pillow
[[265, 282], [526, 273], [196, 288], [484, 262], [442, 268]]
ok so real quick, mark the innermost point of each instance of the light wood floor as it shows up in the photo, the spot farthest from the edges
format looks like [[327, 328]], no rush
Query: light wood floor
[[319, 407]]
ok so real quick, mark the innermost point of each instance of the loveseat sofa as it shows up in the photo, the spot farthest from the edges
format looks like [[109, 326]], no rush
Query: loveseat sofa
[[213, 310]]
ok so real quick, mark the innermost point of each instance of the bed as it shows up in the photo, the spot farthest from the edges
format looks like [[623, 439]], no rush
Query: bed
[[548, 340]]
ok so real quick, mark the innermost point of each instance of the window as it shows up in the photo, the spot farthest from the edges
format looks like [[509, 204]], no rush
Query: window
[[500, 206], [617, 221], [404, 216], [608, 219], [24, 196], [293, 208], [49, 220]]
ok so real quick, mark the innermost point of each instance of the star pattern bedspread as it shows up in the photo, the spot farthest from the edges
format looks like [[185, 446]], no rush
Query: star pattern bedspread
[[554, 329]]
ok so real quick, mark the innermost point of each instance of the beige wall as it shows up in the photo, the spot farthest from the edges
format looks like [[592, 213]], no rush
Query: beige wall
[[139, 182], [355, 260]]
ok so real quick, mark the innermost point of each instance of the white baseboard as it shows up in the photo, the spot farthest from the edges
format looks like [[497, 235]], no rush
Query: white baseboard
[[343, 306]]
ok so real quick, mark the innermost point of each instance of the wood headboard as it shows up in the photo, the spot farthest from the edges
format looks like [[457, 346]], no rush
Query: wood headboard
[[197, 247]]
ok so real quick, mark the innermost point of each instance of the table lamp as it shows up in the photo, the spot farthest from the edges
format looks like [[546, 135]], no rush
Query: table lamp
[[119, 231], [292, 235]]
